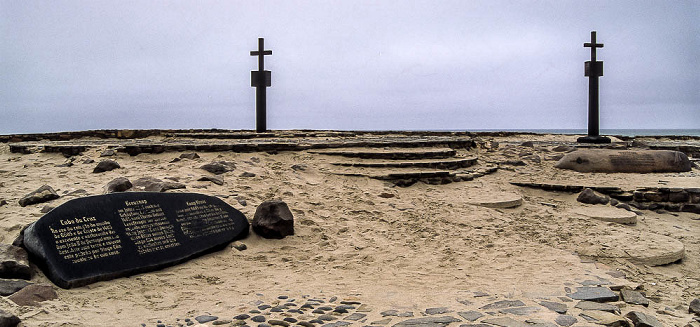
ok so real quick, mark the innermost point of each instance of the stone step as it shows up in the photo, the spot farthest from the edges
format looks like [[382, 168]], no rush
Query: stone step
[[407, 177], [391, 153], [450, 164]]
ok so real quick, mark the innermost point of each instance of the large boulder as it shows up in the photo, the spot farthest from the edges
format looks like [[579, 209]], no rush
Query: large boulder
[[273, 219], [43, 194], [625, 161]]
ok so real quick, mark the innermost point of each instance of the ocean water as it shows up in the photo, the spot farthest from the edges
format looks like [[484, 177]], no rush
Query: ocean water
[[623, 132]]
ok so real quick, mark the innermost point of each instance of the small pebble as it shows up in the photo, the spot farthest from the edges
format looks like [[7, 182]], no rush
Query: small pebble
[[264, 307], [258, 319], [239, 317], [283, 297], [290, 319], [333, 299]]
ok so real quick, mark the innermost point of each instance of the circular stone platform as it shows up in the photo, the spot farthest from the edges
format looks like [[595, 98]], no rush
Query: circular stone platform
[[606, 213], [641, 248], [494, 199]]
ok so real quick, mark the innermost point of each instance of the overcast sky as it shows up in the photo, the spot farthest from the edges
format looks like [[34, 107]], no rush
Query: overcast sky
[[351, 65]]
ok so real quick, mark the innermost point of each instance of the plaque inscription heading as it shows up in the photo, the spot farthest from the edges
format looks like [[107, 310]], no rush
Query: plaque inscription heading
[[108, 236]]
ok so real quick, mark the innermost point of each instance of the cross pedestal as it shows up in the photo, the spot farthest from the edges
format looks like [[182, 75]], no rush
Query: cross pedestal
[[261, 80], [593, 69]]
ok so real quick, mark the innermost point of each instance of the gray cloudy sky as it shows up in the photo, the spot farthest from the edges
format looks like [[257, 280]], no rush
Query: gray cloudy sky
[[76, 65]]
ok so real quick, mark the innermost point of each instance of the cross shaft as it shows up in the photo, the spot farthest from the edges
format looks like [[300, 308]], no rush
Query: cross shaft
[[593, 45]]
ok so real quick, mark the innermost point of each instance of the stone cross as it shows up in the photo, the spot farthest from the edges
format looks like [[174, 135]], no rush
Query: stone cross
[[261, 79], [593, 69]]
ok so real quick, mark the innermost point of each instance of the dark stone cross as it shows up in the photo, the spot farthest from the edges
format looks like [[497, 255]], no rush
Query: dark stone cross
[[593, 69], [261, 79]]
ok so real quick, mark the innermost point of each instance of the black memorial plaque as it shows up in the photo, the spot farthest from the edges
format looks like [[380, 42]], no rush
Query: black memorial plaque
[[116, 235]]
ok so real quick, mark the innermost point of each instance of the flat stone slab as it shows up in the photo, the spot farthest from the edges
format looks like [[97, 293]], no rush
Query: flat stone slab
[[606, 213], [428, 321], [492, 199], [641, 248], [625, 161], [104, 237], [596, 294]]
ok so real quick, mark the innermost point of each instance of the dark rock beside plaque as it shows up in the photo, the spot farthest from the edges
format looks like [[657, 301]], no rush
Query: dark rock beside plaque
[[108, 236], [33, 294], [273, 220], [14, 262], [7, 319]]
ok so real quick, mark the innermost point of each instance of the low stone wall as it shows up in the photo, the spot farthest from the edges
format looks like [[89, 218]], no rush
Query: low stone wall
[[670, 199], [654, 198]]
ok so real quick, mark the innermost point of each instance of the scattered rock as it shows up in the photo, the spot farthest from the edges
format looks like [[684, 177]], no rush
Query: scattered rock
[[14, 262], [528, 144], [33, 294], [191, 156], [299, 167], [273, 220], [246, 174], [565, 320], [470, 315], [258, 319], [428, 321], [694, 307], [386, 195], [605, 318], [555, 306], [218, 180], [640, 319], [437, 311], [43, 194], [106, 165], [506, 322], [205, 318], [46, 209], [151, 184], [588, 305], [108, 153], [520, 311], [596, 294], [563, 148], [88, 161], [241, 201], [356, 316], [633, 297], [503, 304], [7, 319], [12, 286], [239, 246], [3, 202], [219, 167], [119, 184], [592, 197]]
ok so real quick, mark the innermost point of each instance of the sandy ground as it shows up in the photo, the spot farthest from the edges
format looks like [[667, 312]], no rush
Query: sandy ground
[[424, 247]]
